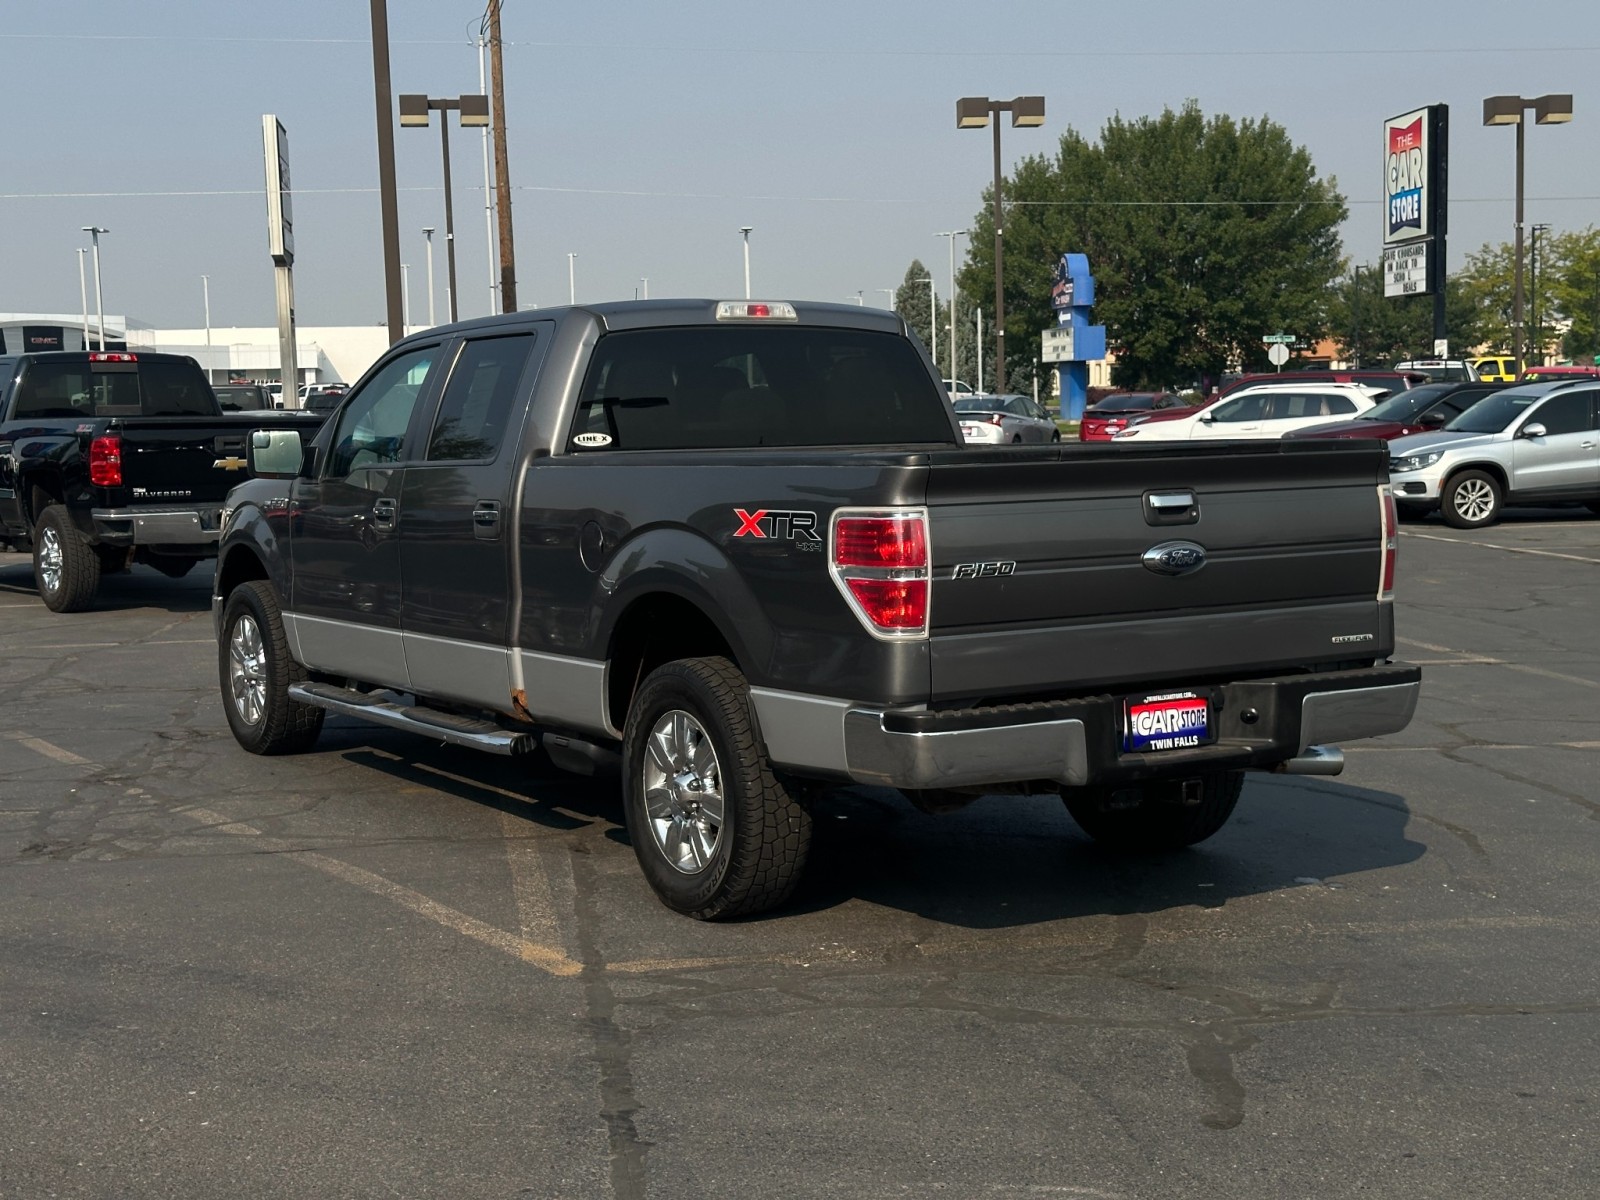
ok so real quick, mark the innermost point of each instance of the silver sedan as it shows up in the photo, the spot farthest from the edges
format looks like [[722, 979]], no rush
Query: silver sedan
[[997, 420]]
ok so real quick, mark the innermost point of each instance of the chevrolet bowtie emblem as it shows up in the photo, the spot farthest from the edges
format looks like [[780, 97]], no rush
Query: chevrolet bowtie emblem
[[231, 464]]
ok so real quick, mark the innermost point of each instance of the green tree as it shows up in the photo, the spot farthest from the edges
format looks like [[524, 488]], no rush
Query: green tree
[[1374, 330], [1204, 234], [1575, 289], [911, 300]]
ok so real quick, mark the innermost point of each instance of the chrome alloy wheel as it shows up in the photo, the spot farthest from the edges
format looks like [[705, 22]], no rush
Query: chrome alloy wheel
[[683, 791], [1474, 500], [50, 559], [247, 670]]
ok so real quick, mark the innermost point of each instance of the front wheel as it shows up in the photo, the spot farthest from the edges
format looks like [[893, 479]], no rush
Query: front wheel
[[256, 670], [66, 569], [1154, 819], [1471, 500], [716, 833]]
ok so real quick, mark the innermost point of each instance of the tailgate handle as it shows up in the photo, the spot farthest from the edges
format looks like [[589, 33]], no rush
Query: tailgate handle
[[1171, 508]]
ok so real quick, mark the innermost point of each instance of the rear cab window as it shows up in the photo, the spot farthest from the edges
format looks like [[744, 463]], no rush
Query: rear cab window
[[723, 387], [68, 390]]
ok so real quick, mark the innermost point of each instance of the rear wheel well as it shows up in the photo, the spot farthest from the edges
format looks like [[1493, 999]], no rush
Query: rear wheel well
[[42, 492], [656, 629], [241, 566]]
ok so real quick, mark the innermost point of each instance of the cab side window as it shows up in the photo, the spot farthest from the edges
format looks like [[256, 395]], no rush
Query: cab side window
[[477, 401], [372, 427]]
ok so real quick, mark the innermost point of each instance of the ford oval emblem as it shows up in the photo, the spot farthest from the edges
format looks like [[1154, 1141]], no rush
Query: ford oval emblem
[[1175, 558]]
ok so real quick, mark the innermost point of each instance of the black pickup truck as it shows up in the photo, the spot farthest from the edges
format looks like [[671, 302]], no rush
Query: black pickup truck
[[739, 548], [108, 459]]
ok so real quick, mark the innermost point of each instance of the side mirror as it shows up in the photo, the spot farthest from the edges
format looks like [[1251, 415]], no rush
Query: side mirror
[[1432, 420], [1208, 418], [1532, 430], [275, 453]]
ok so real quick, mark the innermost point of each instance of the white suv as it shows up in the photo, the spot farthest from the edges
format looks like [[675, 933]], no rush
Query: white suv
[[1262, 410], [1528, 444], [1441, 370]]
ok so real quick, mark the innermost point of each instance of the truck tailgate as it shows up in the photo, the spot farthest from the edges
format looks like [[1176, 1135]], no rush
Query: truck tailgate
[[1041, 573], [181, 459]]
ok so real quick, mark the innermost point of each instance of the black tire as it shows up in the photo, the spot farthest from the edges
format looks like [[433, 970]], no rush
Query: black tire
[[1593, 506], [264, 720], [1159, 822], [1016, 437], [1056, 436], [1471, 500], [752, 860], [66, 569]]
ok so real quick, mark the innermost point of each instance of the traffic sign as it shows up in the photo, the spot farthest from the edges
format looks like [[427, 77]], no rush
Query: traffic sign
[[1276, 339], [1279, 354]]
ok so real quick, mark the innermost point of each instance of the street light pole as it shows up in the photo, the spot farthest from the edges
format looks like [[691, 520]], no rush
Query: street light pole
[[83, 291], [572, 278], [473, 112], [745, 230], [1538, 302], [427, 231], [645, 280], [205, 287], [94, 232], [1509, 110], [974, 112], [953, 234], [405, 296], [889, 292]]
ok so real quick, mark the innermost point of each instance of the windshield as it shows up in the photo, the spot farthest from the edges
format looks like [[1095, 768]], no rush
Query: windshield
[[1405, 405], [1493, 413]]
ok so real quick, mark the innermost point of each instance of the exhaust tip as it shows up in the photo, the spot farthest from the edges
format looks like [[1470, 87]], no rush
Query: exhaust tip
[[1314, 760]]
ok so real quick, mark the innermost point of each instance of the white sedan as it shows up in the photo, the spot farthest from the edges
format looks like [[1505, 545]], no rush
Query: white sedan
[[996, 420], [1266, 410]]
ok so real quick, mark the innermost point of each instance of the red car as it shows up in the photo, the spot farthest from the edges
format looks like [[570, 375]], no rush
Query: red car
[[1102, 419], [1416, 411]]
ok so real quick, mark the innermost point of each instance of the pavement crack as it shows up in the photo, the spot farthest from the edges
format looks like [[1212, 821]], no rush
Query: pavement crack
[[613, 1045]]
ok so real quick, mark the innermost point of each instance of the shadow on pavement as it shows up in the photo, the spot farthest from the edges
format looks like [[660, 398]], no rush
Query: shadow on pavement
[[141, 587], [1005, 861]]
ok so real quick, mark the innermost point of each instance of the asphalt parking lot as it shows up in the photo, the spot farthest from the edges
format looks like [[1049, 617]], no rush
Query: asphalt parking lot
[[392, 969]]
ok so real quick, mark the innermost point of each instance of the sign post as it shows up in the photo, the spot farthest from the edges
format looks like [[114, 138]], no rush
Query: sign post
[[280, 245]]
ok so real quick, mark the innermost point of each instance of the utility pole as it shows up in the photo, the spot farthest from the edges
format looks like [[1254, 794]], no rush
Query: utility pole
[[83, 290], [502, 178], [387, 198]]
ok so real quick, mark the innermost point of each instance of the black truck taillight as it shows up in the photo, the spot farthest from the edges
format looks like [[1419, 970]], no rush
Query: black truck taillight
[[105, 461]]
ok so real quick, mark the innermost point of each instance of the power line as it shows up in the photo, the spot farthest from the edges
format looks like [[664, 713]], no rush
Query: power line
[[1076, 54]]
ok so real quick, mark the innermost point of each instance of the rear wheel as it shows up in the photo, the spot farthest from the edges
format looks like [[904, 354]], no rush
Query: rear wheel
[[716, 833], [1594, 507], [1016, 437], [1152, 818], [256, 670], [1056, 436], [66, 569], [1471, 500]]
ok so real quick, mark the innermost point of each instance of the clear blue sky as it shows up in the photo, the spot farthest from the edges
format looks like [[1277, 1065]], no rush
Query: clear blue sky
[[644, 134]]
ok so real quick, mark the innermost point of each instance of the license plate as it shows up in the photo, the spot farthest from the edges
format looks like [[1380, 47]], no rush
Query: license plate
[[1166, 721], [969, 430]]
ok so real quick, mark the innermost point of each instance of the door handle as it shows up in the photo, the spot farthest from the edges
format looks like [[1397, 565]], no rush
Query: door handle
[[486, 520], [383, 513]]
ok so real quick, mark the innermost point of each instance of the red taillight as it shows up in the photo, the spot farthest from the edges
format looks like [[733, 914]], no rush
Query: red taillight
[[109, 356], [880, 561], [105, 461], [880, 542], [1391, 543], [996, 419]]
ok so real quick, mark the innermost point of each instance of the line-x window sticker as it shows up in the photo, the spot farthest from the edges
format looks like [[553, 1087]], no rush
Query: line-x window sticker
[[781, 524]]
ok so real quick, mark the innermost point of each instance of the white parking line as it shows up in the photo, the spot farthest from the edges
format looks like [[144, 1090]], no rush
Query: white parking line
[[1510, 666], [40, 746], [1434, 537]]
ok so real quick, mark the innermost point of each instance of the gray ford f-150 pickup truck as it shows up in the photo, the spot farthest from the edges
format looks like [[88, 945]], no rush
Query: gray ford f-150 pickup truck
[[740, 547]]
